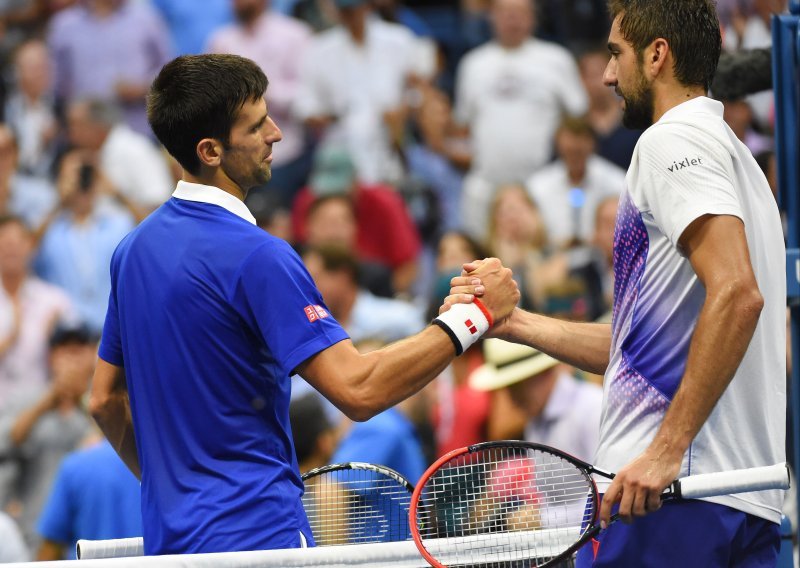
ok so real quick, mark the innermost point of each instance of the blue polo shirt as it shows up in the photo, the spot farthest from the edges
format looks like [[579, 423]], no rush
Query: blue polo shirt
[[95, 497], [210, 315]]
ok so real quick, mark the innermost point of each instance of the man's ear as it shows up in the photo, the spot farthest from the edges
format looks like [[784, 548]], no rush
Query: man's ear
[[209, 152], [656, 56]]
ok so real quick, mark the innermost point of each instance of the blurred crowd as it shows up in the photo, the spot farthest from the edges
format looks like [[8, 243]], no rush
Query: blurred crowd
[[417, 135]]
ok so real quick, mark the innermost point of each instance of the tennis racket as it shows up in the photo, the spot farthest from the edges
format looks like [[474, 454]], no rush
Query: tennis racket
[[357, 503], [519, 504]]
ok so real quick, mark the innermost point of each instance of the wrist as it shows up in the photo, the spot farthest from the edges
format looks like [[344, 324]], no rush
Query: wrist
[[465, 324], [668, 449]]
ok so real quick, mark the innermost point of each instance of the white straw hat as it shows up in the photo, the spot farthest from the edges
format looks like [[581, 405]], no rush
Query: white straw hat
[[508, 363]]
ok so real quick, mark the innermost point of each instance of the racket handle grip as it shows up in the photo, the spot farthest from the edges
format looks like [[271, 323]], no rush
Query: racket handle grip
[[730, 482]]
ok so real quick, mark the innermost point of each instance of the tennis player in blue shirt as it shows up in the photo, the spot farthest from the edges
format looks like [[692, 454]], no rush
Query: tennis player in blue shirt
[[209, 317]]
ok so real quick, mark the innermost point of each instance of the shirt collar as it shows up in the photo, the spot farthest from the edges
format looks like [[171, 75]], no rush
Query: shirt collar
[[697, 104], [215, 196]]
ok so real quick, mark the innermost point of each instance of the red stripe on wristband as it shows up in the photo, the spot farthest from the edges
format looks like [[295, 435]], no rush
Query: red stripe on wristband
[[485, 311]]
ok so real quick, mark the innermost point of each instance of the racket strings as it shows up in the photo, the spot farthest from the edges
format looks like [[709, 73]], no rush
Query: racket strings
[[504, 506], [356, 506]]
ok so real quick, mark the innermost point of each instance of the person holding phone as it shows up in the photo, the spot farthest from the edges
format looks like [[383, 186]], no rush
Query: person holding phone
[[77, 238]]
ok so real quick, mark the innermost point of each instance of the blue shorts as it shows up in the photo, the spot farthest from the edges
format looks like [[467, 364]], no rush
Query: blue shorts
[[686, 534]]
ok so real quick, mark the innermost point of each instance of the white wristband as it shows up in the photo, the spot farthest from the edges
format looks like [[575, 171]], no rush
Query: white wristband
[[465, 324]]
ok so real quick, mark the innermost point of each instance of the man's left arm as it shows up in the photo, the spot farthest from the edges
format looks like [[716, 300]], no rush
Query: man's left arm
[[716, 247], [110, 407]]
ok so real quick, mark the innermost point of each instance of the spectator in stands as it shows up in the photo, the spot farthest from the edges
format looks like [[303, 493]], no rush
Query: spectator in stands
[[437, 155], [331, 221], [750, 29], [22, 195], [362, 315], [28, 309], [510, 95], [277, 43], [568, 190], [190, 27], [94, 496], [29, 109], [560, 410], [353, 83], [39, 428], [79, 238], [385, 231], [556, 282], [615, 143], [127, 159], [111, 50]]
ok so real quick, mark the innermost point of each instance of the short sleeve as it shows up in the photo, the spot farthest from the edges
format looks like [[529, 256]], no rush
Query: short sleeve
[[54, 522], [110, 343], [275, 294], [683, 175]]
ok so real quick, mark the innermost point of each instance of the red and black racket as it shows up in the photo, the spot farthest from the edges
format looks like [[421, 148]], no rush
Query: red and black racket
[[518, 504]]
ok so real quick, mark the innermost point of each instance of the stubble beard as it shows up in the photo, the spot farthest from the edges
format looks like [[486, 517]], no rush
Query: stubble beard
[[639, 106]]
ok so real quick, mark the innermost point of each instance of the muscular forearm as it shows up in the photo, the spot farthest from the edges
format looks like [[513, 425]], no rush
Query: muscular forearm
[[364, 385], [728, 319], [113, 415], [583, 345]]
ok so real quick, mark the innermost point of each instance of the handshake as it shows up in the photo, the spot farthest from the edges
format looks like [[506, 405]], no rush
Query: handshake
[[482, 298]]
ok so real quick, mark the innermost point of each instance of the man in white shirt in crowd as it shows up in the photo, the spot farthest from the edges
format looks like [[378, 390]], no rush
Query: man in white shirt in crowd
[[511, 94], [130, 161], [569, 190], [353, 84]]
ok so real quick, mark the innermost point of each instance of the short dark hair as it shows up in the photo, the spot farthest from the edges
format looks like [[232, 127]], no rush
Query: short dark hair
[[690, 26], [71, 334], [199, 96]]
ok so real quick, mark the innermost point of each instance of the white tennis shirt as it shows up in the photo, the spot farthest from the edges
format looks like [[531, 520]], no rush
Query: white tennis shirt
[[687, 165]]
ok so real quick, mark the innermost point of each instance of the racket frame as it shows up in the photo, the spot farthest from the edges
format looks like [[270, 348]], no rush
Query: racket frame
[[360, 466], [585, 468]]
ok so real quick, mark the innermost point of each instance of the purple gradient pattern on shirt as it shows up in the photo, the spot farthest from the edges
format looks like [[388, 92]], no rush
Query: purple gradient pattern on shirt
[[631, 393], [631, 244]]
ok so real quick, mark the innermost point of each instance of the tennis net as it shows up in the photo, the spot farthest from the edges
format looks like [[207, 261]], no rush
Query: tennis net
[[391, 554]]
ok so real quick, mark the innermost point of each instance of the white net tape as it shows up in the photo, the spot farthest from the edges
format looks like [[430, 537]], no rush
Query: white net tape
[[395, 554]]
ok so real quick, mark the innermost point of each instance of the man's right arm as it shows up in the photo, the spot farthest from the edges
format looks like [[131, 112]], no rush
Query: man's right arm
[[586, 346], [362, 385], [583, 345], [110, 408]]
